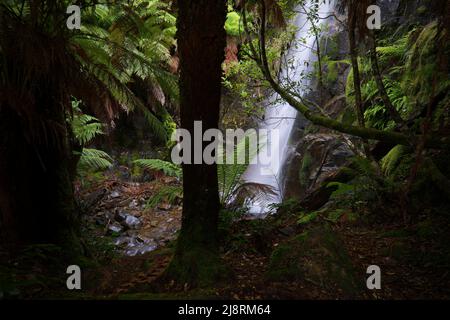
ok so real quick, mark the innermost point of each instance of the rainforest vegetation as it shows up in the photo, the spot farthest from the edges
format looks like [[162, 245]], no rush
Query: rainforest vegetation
[[90, 103]]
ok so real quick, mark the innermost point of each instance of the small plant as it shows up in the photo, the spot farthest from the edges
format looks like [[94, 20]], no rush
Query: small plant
[[169, 168], [85, 128], [168, 193]]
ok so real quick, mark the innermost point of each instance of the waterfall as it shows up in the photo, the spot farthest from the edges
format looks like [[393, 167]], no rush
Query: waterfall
[[280, 116]]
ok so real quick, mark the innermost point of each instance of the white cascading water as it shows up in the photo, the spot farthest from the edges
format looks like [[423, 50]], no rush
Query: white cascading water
[[281, 116]]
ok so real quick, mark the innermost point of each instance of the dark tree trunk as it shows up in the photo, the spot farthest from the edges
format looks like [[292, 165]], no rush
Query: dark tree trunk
[[201, 45], [356, 74], [36, 193], [357, 79]]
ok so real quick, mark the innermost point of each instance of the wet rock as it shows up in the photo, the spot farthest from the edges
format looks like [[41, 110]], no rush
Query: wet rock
[[120, 216], [127, 220], [322, 155], [114, 228], [135, 245], [100, 220], [287, 231], [115, 194], [130, 222]]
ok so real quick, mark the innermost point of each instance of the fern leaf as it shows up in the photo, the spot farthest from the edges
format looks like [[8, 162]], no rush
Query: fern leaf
[[168, 168]]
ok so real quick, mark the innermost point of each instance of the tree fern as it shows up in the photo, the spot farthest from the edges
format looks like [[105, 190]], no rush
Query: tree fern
[[84, 127], [234, 191]]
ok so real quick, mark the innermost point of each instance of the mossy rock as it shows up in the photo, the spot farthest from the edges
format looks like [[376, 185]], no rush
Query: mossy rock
[[317, 256]]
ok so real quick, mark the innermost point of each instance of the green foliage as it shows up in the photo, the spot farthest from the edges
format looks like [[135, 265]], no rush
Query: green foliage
[[169, 194], [392, 159], [332, 67], [234, 191], [85, 128], [394, 52], [316, 256], [167, 167], [307, 217], [136, 43], [342, 189], [94, 159], [307, 162], [367, 191], [233, 24]]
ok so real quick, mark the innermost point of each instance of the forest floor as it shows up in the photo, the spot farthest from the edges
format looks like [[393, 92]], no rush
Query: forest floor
[[131, 277], [267, 261], [274, 258]]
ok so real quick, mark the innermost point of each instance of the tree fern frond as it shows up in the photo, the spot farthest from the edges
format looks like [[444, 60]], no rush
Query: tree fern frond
[[166, 194], [168, 168], [95, 159]]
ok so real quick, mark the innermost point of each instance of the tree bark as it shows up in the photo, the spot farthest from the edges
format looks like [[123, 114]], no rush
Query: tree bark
[[356, 74], [201, 45], [36, 193]]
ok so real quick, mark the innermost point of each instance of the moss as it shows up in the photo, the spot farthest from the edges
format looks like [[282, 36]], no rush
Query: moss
[[421, 10], [317, 256], [304, 173], [197, 267]]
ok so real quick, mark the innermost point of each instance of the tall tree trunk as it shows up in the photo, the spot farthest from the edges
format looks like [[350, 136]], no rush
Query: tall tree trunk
[[36, 193], [201, 45], [357, 78], [356, 74]]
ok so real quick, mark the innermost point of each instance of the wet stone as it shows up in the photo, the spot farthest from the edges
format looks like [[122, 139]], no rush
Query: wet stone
[[115, 194], [115, 228]]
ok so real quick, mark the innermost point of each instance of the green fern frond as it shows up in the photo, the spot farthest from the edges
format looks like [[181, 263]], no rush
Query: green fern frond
[[94, 159], [166, 194], [168, 168]]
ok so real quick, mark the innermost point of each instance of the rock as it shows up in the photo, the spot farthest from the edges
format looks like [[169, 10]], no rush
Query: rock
[[287, 231], [131, 222], [319, 156], [100, 220], [133, 204], [114, 228], [120, 216], [115, 194], [135, 245], [318, 197]]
